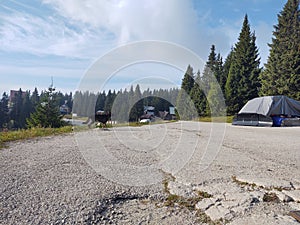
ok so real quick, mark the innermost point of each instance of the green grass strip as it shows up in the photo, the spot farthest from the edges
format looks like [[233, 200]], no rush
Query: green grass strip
[[22, 134]]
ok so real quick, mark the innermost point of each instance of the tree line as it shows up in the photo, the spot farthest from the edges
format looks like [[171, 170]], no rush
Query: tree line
[[240, 77], [235, 80], [26, 109], [125, 105]]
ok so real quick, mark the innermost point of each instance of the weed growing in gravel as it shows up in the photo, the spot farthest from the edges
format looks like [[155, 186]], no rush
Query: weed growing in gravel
[[173, 200], [271, 197], [203, 218], [253, 185], [244, 183]]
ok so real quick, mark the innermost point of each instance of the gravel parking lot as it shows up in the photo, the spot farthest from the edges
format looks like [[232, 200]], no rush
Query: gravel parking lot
[[174, 173]]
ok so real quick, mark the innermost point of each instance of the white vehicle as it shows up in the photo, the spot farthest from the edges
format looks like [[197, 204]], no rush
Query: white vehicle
[[145, 121]]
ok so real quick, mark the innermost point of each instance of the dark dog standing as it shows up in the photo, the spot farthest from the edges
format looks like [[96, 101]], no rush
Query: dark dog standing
[[100, 117]]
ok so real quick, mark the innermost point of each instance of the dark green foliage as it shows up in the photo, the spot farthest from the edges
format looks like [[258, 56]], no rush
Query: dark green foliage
[[226, 68], [4, 110], [188, 80], [16, 111], [47, 112], [136, 104], [209, 70], [219, 74], [212, 75], [26, 109], [100, 101], [109, 100], [35, 98], [125, 106], [242, 81], [215, 100], [185, 106], [184, 103], [198, 96], [282, 70]]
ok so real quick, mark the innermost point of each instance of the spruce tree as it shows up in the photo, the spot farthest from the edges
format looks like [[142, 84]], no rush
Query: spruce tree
[[281, 75], [109, 100], [47, 112], [209, 69], [184, 104], [188, 80], [101, 101], [4, 116], [26, 109], [219, 70], [17, 108], [136, 104], [198, 96], [35, 98], [226, 68], [242, 83]]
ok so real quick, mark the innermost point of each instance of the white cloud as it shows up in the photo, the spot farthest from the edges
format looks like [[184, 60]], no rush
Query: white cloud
[[21, 32], [88, 29], [132, 19]]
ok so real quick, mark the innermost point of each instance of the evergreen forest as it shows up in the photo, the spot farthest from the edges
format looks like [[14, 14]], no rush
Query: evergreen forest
[[235, 78]]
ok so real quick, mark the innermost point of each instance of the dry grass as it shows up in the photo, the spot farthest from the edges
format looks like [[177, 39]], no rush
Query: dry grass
[[221, 119]]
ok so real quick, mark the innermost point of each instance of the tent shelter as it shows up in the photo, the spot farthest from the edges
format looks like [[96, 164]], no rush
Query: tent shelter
[[269, 110]]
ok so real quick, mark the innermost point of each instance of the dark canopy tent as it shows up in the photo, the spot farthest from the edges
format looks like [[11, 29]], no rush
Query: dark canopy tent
[[263, 111]]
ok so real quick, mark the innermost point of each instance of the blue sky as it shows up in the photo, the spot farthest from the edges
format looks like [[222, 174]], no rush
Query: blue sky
[[40, 39]]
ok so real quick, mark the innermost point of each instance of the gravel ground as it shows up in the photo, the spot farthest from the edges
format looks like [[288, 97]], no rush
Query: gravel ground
[[151, 175]]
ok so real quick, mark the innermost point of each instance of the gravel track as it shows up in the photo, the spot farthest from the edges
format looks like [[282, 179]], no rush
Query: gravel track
[[48, 181]]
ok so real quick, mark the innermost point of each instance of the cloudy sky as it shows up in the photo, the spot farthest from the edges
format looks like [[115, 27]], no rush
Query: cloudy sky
[[40, 39]]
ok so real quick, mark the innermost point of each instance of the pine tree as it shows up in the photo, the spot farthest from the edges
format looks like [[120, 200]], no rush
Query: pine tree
[[35, 98], [184, 104], [282, 70], [100, 101], [4, 116], [242, 82], [77, 102], [212, 75], [198, 96], [16, 112], [188, 80], [47, 112], [26, 109], [209, 69], [226, 68], [136, 104]]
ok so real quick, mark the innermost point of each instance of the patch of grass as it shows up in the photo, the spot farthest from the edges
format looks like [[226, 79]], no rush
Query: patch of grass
[[136, 124], [244, 183], [165, 182], [253, 185], [204, 218], [271, 197], [100, 125], [188, 203], [31, 133], [221, 119], [173, 200], [204, 194]]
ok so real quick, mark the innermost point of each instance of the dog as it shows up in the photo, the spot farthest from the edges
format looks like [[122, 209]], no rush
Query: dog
[[100, 116]]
